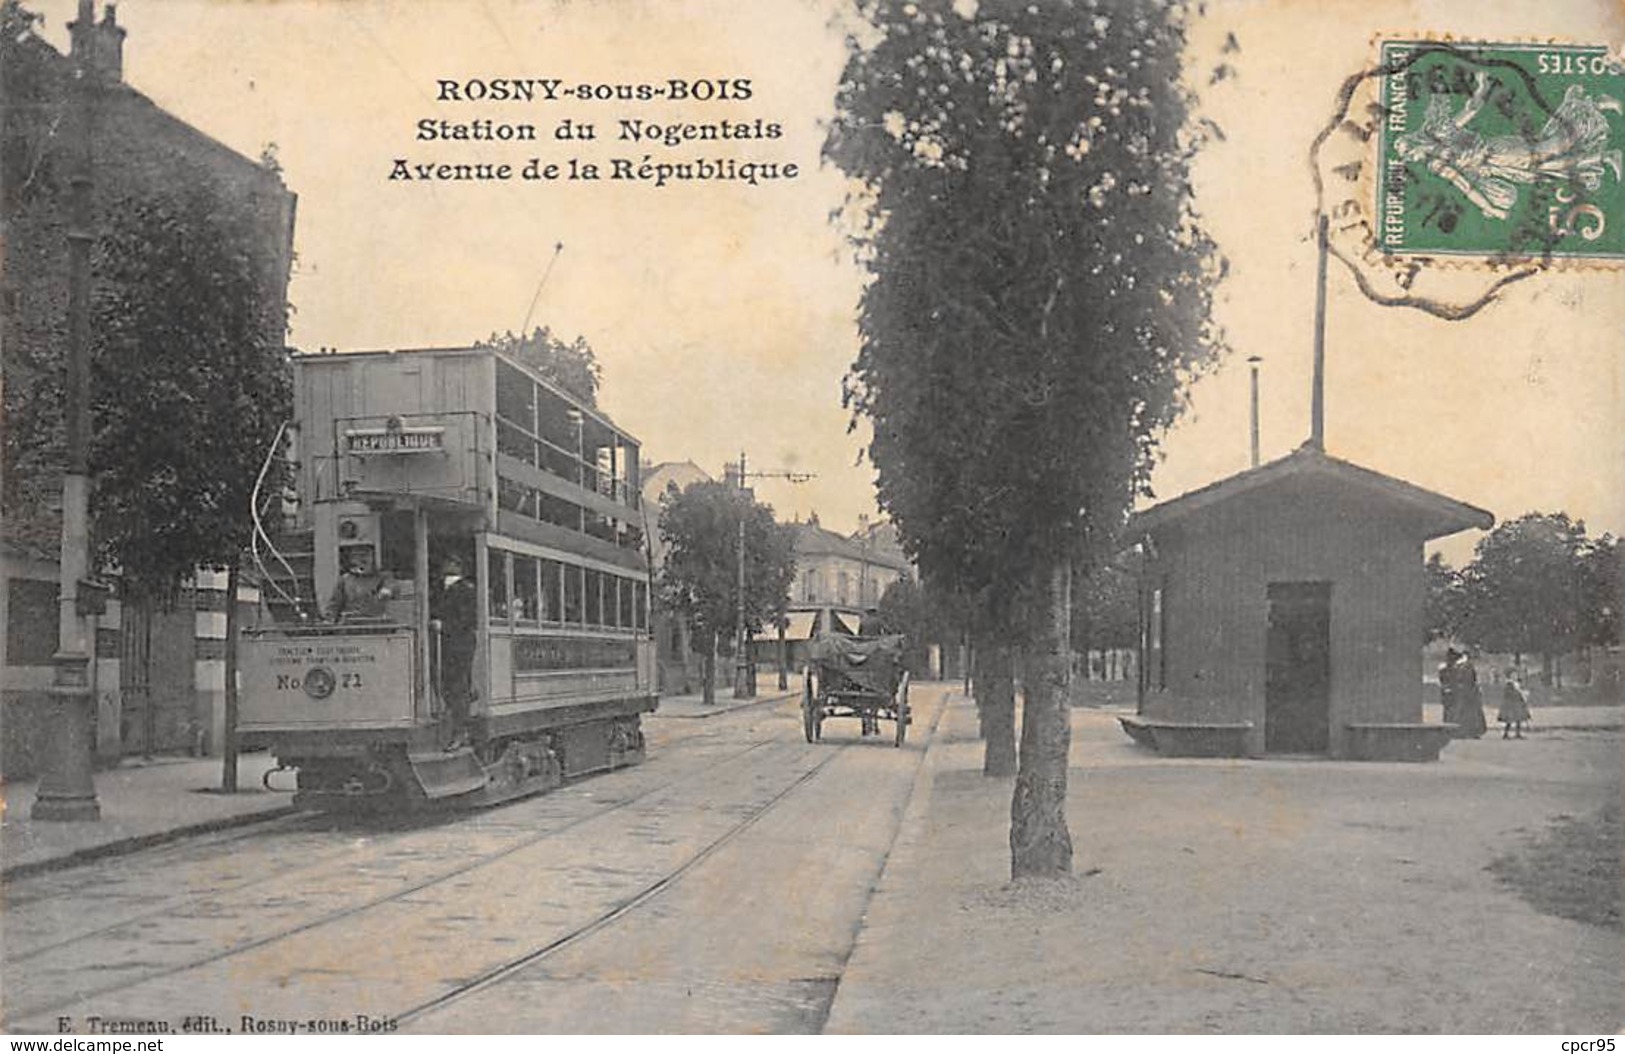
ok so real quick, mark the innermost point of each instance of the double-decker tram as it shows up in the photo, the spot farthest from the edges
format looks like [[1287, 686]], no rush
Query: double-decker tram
[[456, 605]]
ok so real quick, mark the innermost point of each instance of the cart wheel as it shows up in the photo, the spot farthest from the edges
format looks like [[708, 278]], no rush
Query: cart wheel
[[902, 710]]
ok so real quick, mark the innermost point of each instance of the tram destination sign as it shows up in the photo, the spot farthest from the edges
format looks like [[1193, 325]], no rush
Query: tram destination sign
[[395, 440]]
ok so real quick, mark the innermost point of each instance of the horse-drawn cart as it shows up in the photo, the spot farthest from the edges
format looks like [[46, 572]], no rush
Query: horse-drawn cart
[[860, 677]]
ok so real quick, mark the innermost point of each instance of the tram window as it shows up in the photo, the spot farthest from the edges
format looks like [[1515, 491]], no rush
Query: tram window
[[515, 443], [516, 397], [627, 604], [525, 595], [552, 603], [572, 595], [560, 512], [558, 462], [556, 426], [595, 599], [640, 605], [513, 497], [632, 474], [498, 570]]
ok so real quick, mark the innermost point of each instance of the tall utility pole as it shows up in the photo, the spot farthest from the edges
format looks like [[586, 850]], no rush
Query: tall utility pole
[[67, 790], [743, 687], [1317, 392]]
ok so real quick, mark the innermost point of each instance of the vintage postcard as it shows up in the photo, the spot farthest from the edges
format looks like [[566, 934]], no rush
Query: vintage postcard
[[812, 516]]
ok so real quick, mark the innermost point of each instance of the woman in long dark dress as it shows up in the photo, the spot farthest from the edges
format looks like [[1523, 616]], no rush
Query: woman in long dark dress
[[1450, 687], [1469, 700]]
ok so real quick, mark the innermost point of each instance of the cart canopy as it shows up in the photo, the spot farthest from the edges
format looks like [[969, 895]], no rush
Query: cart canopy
[[856, 652]]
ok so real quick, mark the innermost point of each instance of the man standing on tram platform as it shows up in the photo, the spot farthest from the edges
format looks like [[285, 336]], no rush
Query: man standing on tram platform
[[457, 608]]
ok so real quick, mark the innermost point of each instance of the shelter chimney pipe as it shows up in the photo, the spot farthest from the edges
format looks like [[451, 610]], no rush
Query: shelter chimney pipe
[[1254, 360]]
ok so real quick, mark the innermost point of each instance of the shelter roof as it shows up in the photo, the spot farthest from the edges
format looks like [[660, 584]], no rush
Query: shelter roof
[[1439, 514]]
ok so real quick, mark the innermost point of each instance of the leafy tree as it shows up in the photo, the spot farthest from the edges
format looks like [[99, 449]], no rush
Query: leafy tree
[[700, 579], [1603, 588], [924, 615], [1443, 606], [1039, 294], [1535, 587], [572, 366], [191, 383], [1106, 608], [189, 376]]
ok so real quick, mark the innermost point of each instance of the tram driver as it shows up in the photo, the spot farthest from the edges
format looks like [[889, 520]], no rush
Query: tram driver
[[362, 589]]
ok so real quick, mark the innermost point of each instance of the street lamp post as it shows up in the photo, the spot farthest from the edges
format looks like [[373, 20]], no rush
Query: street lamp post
[[67, 790]]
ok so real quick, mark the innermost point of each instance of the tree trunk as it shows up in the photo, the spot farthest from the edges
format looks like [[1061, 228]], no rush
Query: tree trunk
[[978, 694], [996, 698], [1040, 845], [228, 749], [708, 670]]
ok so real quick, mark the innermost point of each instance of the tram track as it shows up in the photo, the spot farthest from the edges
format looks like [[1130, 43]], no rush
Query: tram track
[[428, 946], [317, 820], [496, 975], [817, 1008], [701, 769]]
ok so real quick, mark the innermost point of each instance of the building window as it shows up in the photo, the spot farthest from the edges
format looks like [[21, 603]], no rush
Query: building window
[[31, 622], [841, 581]]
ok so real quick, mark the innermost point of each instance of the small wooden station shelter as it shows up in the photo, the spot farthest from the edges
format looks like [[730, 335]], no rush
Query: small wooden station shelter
[[1282, 613]]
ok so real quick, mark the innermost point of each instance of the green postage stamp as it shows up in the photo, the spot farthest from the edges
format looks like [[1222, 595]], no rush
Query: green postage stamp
[[1501, 151]]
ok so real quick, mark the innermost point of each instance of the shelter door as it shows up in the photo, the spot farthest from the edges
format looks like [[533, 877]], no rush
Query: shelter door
[[1298, 674]]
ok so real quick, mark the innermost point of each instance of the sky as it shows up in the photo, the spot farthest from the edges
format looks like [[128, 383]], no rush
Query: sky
[[724, 315]]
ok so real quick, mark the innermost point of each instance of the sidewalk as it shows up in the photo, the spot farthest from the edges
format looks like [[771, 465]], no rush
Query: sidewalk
[[143, 802], [1242, 896]]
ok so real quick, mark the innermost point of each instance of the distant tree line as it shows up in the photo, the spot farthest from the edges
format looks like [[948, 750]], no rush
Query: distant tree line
[[1538, 585]]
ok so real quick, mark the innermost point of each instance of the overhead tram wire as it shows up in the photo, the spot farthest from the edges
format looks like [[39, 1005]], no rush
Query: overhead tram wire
[[524, 328]]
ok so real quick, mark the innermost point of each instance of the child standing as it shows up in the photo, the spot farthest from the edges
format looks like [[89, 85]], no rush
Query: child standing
[[1514, 706]]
